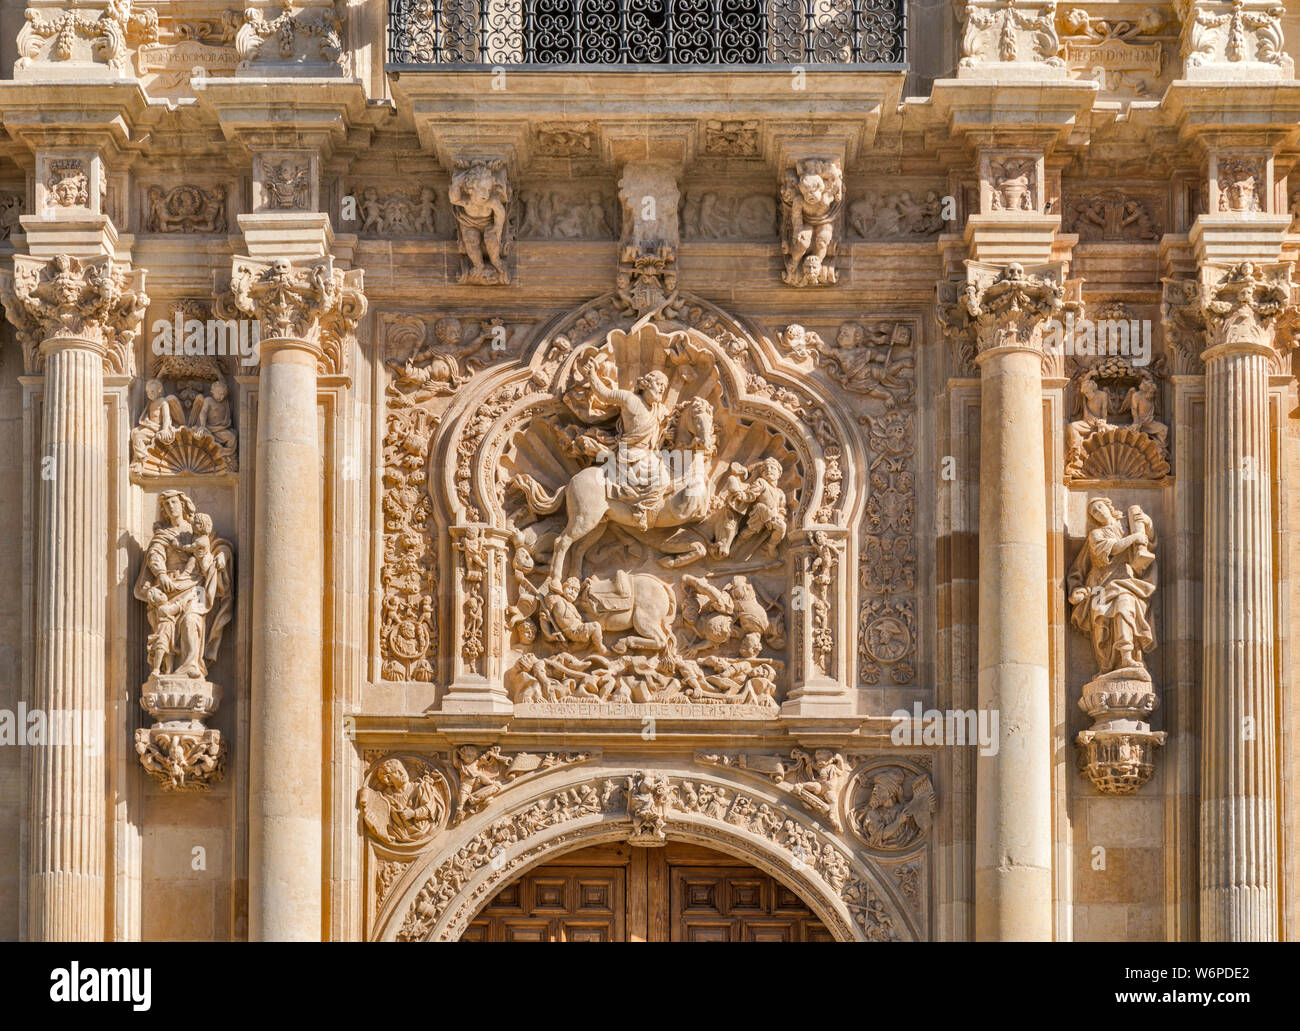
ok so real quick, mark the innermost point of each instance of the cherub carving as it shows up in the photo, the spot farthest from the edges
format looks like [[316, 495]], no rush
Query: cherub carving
[[811, 196], [480, 200], [210, 417], [161, 417]]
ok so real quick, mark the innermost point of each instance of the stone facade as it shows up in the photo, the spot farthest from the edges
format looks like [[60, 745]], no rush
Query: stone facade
[[420, 462]]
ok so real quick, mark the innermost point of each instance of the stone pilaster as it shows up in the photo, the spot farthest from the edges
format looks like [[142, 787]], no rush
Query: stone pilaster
[[300, 307], [71, 317], [1238, 820], [1013, 847]]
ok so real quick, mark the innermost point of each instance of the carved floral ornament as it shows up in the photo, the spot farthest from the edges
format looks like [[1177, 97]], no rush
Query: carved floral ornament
[[849, 833], [1009, 32], [102, 301]]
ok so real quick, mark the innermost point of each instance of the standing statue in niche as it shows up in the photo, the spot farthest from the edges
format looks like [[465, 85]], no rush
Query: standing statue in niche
[[186, 582], [1110, 586]]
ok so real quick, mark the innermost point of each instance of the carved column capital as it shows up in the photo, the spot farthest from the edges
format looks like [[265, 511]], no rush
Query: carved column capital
[[310, 305], [1006, 308], [1242, 305], [99, 302]]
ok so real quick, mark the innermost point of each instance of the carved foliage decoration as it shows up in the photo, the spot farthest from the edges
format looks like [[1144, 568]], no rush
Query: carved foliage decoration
[[100, 300], [313, 302], [1009, 32], [1220, 34], [438, 357], [85, 36], [311, 35]]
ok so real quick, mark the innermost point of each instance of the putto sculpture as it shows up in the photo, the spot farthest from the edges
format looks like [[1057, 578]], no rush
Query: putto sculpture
[[812, 194], [480, 200]]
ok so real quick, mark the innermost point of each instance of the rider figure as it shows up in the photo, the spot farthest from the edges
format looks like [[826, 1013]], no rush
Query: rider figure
[[643, 477]]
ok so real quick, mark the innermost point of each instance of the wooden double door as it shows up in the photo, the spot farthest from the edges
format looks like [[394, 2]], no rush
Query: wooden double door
[[619, 893]]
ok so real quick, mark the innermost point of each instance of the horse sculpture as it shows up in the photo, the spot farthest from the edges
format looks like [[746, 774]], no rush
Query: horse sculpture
[[632, 485]]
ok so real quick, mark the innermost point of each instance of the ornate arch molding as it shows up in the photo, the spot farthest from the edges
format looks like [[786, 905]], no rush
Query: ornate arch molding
[[442, 890], [758, 383]]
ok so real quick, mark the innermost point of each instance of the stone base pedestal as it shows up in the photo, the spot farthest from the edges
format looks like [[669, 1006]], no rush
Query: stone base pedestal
[[1118, 752], [179, 751]]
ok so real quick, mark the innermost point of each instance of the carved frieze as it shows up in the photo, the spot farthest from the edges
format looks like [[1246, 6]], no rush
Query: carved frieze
[[1112, 215], [185, 209], [396, 213], [101, 34], [312, 35], [728, 213], [1009, 32], [565, 213], [1227, 39], [905, 215], [1124, 56], [12, 207], [731, 138]]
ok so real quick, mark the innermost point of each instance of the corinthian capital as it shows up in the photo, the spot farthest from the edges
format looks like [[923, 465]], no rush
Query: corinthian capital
[[311, 302], [1242, 305], [1006, 307], [100, 301]]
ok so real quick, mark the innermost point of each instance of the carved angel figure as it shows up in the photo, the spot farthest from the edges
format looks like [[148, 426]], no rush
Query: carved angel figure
[[1111, 584], [161, 418], [210, 417], [480, 200], [185, 581]]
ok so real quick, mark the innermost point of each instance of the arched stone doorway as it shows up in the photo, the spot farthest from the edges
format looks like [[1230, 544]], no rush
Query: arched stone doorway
[[618, 892]]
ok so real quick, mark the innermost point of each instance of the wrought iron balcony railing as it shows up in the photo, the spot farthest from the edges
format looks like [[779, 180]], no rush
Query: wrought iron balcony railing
[[646, 32]]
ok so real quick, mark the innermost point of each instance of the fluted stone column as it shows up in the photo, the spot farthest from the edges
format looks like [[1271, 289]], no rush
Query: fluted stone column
[[69, 314], [1238, 821], [292, 302], [1013, 846]]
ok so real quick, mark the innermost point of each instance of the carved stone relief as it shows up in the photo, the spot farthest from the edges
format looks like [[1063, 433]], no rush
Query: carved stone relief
[[1098, 447], [646, 808], [731, 138], [997, 32], [722, 213], [1112, 215], [1240, 183], [185, 209], [480, 194], [396, 213], [1232, 38], [565, 139], [905, 215], [812, 196], [99, 300], [1110, 586], [12, 207], [1124, 56], [186, 582], [185, 435], [90, 37], [312, 35], [567, 213]]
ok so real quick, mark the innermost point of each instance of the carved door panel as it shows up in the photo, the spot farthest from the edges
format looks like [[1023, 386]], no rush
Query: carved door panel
[[557, 904], [712, 897], [620, 893]]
